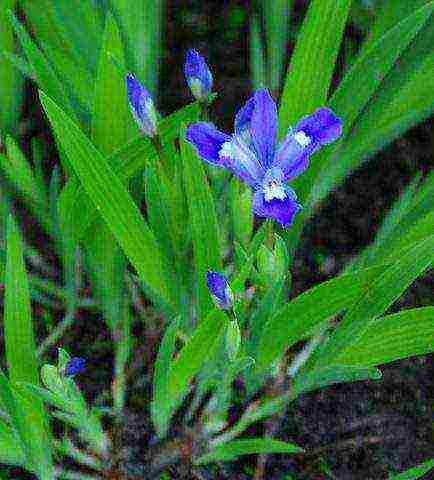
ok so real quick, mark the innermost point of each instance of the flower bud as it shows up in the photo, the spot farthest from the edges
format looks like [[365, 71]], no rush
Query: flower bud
[[74, 366], [220, 290], [198, 75], [142, 106]]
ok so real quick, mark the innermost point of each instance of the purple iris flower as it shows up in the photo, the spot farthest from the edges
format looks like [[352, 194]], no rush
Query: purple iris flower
[[220, 290], [142, 106], [74, 366], [252, 154], [198, 75]]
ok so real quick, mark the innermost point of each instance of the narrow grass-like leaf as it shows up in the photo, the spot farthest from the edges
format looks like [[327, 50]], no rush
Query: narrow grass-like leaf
[[401, 335], [324, 376], [10, 447], [11, 81], [112, 122], [415, 472], [199, 348], [19, 337], [405, 98], [203, 223], [142, 29], [247, 446], [21, 357], [276, 13], [162, 402], [296, 320], [74, 205], [379, 295], [312, 64], [112, 201], [353, 94], [45, 76], [257, 54]]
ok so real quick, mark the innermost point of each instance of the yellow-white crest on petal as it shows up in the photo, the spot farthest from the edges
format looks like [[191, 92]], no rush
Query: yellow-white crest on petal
[[302, 139], [274, 190]]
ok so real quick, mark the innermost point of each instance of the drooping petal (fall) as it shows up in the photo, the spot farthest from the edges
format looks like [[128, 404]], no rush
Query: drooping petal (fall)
[[208, 141], [281, 210]]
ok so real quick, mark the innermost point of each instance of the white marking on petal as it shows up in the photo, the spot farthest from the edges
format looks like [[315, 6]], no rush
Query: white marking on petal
[[274, 190], [302, 139], [226, 150]]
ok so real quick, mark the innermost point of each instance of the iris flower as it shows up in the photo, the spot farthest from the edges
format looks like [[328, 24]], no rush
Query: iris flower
[[253, 155]]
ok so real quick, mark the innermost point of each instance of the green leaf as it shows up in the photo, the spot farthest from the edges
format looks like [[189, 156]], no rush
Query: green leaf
[[415, 472], [203, 224], [20, 173], [112, 122], [276, 14], [331, 374], [162, 403], [379, 295], [312, 64], [402, 335], [46, 78], [21, 358], [142, 29], [11, 82], [199, 348], [296, 320], [247, 446], [257, 54], [18, 326], [112, 201], [389, 112], [10, 447], [75, 207]]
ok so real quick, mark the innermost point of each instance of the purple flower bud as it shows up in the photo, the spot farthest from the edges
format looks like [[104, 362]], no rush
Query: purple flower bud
[[198, 75], [142, 106], [74, 366], [220, 290]]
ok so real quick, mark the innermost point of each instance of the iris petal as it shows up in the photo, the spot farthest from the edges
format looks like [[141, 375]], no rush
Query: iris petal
[[323, 126], [263, 126], [208, 141], [292, 157], [283, 211]]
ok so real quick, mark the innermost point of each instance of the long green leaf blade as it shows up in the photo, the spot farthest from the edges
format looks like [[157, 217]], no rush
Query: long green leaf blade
[[112, 201], [203, 223], [310, 72], [247, 446], [379, 295], [404, 334]]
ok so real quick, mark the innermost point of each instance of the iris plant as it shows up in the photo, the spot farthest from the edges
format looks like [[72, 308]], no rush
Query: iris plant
[[253, 155]]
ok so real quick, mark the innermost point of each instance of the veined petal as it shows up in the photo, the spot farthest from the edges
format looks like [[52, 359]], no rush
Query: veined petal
[[208, 141], [242, 161], [244, 116], [292, 156], [281, 210], [263, 126], [322, 127]]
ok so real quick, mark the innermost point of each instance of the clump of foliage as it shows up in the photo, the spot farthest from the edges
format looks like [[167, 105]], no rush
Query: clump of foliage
[[167, 239]]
